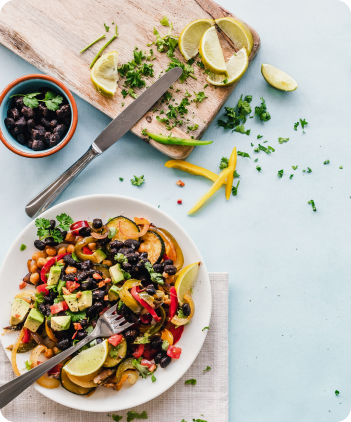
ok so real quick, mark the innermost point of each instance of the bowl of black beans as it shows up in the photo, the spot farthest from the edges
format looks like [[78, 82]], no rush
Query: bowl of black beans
[[38, 116]]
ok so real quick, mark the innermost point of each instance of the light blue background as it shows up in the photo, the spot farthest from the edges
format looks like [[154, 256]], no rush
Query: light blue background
[[290, 311]]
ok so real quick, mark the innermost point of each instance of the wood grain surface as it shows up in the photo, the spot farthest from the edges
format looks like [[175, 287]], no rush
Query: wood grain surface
[[50, 33]]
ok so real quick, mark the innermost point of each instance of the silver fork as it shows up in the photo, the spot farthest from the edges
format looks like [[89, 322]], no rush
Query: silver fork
[[106, 326]]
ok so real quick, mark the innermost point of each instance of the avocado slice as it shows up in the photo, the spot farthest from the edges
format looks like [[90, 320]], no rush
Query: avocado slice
[[19, 310], [86, 300], [34, 320], [116, 274], [54, 275], [60, 323], [99, 255], [72, 302], [113, 293]]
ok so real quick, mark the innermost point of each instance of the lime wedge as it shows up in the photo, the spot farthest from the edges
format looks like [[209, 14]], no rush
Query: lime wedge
[[190, 37], [237, 31], [277, 78], [104, 74], [236, 66], [185, 280], [88, 361], [211, 52]]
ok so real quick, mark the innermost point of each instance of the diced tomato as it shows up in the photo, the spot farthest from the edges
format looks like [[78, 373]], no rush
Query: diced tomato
[[101, 283], [56, 369], [97, 276], [87, 251], [77, 326], [180, 183], [66, 291], [74, 335], [145, 362], [115, 339], [17, 315], [179, 201], [174, 352], [39, 362], [22, 285], [165, 257], [42, 289], [152, 368], [139, 351], [75, 227], [149, 353], [72, 285], [26, 335], [58, 307], [176, 332], [146, 319]]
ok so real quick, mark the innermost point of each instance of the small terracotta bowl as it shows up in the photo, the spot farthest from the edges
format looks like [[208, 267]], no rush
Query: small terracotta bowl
[[25, 85]]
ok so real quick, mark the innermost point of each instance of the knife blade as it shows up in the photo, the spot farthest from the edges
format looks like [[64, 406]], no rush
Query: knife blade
[[135, 111], [114, 131]]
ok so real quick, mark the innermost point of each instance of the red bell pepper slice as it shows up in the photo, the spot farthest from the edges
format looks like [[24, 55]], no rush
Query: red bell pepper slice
[[26, 335], [176, 332], [72, 285], [174, 352], [174, 302], [49, 264], [56, 369], [42, 289], [139, 351], [142, 302], [115, 339], [58, 307], [77, 326], [74, 335], [145, 319], [75, 227], [87, 251]]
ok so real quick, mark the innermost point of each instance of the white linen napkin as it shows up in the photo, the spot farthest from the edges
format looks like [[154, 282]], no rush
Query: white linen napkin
[[207, 400]]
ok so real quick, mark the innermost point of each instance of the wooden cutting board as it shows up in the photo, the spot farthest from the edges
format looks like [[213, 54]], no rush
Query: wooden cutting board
[[50, 33]]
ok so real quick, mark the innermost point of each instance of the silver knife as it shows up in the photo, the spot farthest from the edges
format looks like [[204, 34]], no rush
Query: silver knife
[[114, 131]]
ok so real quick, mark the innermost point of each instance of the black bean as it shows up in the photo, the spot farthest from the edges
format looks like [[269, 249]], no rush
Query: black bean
[[63, 344], [97, 223], [19, 102], [116, 244], [53, 124], [131, 335], [85, 231], [21, 123], [170, 269], [9, 122], [165, 361], [41, 129], [16, 131], [69, 260], [39, 244], [83, 275], [30, 124], [38, 145], [156, 343], [28, 112], [132, 257], [104, 242], [81, 334], [129, 316], [13, 113], [30, 144], [86, 265], [159, 356], [132, 243], [47, 137], [49, 241], [150, 290], [52, 224], [158, 268], [186, 309], [139, 266], [21, 139], [54, 140], [88, 285], [126, 251], [36, 135], [60, 130], [128, 267], [43, 110], [98, 294], [167, 262], [45, 122], [84, 323], [63, 111], [99, 340], [144, 255]]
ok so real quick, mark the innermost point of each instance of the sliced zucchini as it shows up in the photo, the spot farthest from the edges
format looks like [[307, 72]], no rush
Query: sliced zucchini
[[154, 245], [68, 385], [168, 238], [103, 268], [24, 347], [121, 353], [127, 223]]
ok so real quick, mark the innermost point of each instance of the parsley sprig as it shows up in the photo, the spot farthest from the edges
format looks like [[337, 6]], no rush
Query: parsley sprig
[[45, 231], [168, 42], [137, 181], [262, 112], [237, 116], [51, 100]]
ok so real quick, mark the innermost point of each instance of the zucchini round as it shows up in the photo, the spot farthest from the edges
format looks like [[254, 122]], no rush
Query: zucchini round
[[121, 354], [129, 224], [104, 269], [24, 347], [153, 244], [68, 385]]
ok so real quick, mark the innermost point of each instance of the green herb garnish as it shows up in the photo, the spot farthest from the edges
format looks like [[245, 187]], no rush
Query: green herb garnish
[[258, 168], [326, 162], [28, 365], [281, 140], [137, 181], [224, 163], [262, 112], [191, 381], [313, 205], [280, 173], [243, 154], [23, 247], [207, 368], [51, 100], [131, 415]]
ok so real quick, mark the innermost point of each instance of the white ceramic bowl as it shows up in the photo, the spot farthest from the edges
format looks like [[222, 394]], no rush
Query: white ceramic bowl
[[14, 268]]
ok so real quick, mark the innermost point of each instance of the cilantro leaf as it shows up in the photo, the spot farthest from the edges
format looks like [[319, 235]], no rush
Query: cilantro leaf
[[65, 221], [153, 378], [124, 93], [188, 70], [261, 111], [263, 148], [207, 368], [281, 140], [76, 316], [326, 162], [23, 247], [224, 163], [117, 418], [241, 129], [132, 93], [313, 205], [243, 154], [291, 176], [280, 173], [164, 21], [296, 125], [199, 97], [30, 102], [137, 181], [309, 170], [143, 370], [52, 100], [259, 136], [191, 381], [337, 392], [107, 28], [131, 415], [294, 167], [303, 124], [236, 174], [138, 56], [28, 365], [258, 168], [168, 42]]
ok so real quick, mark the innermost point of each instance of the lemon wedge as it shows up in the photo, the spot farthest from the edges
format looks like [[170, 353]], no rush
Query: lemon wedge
[[186, 280], [277, 78], [236, 67], [237, 31], [104, 74], [88, 361], [190, 37], [211, 52]]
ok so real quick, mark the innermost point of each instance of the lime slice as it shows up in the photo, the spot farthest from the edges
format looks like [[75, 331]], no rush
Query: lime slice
[[88, 361], [104, 74], [236, 67], [277, 78], [190, 37], [185, 280], [237, 31], [211, 52]]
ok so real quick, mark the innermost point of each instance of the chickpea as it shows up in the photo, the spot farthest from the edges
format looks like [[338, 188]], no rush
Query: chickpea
[[70, 237], [56, 350], [29, 263], [142, 248], [107, 262], [34, 278], [92, 246], [70, 270], [61, 251], [79, 238], [70, 248], [51, 251], [33, 267], [41, 262], [61, 261], [49, 353], [38, 255]]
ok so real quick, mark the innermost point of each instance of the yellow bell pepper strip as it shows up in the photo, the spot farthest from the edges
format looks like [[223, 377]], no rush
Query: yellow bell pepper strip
[[230, 178], [192, 169], [217, 184], [182, 321], [170, 140], [127, 298]]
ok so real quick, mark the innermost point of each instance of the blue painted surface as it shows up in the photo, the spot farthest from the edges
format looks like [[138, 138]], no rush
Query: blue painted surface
[[290, 313]]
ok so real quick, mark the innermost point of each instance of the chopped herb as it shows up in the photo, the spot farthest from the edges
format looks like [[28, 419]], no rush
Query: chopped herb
[[51, 100], [153, 378], [117, 418], [296, 125], [188, 70], [262, 112], [112, 231], [144, 132], [103, 47], [205, 328], [243, 154], [168, 42], [264, 149], [341, 167], [191, 381], [303, 124], [23, 247], [124, 93], [258, 168], [199, 97], [224, 163], [121, 179], [137, 181], [122, 104], [107, 28], [281, 140], [76, 316], [309, 170], [313, 205], [91, 44], [193, 127], [337, 392], [280, 173], [200, 65], [143, 370], [326, 162], [155, 277], [256, 160], [294, 167], [241, 129], [28, 365], [131, 415], [167, 96], [291, 176], [113, 350], [259, 136], [207, 368], [205, 86], [45, 231], [237, 116], [164, 21]]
